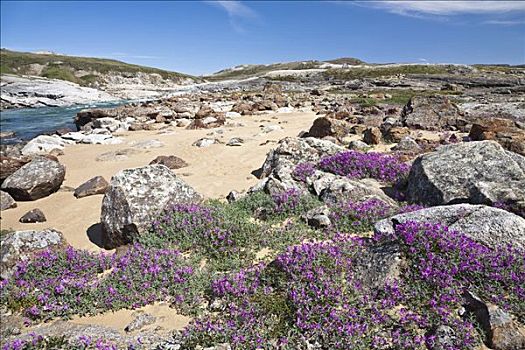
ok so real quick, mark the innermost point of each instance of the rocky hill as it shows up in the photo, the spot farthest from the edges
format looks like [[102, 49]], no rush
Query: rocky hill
[[117, 79]]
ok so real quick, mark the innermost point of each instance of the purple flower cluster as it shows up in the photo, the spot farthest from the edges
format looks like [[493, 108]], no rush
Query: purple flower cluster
[[451, 262], [312, 293], [357, 165], [303, 170], [82, 343], [287, 201], [58, 284]]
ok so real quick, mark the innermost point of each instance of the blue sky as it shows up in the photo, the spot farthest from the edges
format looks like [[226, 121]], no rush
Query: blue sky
[[203, 37]]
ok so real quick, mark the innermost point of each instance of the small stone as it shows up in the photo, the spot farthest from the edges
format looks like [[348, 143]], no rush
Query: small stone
[[204, 142], [171, 162], [372, 135], [358, 146], [235, 141], [33, 216], [407, 144], [233, 196], [140, 321]]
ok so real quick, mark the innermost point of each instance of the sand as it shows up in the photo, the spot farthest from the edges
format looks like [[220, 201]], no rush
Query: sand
[[213, 171], [167, 318]]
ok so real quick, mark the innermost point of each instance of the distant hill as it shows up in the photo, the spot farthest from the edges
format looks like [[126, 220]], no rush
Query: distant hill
[[250, 70], [85, 71]]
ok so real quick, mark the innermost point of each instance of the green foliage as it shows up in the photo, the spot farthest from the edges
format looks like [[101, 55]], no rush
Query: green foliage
[[58, 72], [19, 62]]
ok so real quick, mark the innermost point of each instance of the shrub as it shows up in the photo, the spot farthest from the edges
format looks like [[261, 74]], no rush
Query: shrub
[[357, 165]]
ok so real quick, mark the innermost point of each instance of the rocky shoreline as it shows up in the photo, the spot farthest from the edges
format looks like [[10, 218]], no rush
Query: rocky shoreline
[[332, 193]]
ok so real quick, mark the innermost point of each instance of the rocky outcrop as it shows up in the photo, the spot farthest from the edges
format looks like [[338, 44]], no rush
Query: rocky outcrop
[[504, 131], [6, 201], [430, 113], [35, 180], [21, 245], [136, 197], [96, 185], [474, 172], [486, 225], [25, 91]]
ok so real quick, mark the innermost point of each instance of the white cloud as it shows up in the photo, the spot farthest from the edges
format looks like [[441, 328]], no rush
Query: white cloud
[[237, 13], [505, 22], [235, 8], [445, 8]]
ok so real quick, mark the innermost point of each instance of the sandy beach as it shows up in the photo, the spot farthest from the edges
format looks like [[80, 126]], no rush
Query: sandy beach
[[213, 171]]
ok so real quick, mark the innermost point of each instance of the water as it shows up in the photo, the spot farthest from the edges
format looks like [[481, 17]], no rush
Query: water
[[30, 122]]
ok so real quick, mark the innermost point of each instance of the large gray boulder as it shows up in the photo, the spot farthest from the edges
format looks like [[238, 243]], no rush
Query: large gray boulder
[[136, 197], [486, 225], [474, 172], [35, 180], [21, 245]]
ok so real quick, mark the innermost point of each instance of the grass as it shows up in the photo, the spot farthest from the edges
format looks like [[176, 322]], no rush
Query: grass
[[63, 67], [398, 97]]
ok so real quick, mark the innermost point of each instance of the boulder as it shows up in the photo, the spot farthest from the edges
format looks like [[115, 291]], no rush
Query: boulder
[[333, 189], [504, 131], [292, 151], [501, 331], [430, 113], [325, 126], [21, 245], [377, 263], [111, 124], [43, 144], [35, 180], [8, 165], [32, 216], [136, 197], [172, 162], [86, 116], [408, 145], [487, 225], [242, 108], [396, 134], [96, 185], [6, 201], [475, 172], [372, 136]]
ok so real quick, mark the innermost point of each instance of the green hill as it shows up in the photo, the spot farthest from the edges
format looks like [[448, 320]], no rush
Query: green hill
[[81, 70]]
